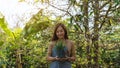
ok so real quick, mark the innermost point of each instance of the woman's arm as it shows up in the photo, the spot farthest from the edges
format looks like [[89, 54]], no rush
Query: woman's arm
[[73, 57], [49, 52]]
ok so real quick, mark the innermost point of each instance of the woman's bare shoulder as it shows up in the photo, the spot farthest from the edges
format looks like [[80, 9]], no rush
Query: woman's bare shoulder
[[70, 41], [52, 43]]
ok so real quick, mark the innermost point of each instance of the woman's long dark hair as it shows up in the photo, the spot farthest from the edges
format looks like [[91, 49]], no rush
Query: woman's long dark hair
[[54, 38]]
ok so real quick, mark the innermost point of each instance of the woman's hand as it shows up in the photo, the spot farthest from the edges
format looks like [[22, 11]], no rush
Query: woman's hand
[[56, 58], [64, 59], [71, 58], [60, 59]]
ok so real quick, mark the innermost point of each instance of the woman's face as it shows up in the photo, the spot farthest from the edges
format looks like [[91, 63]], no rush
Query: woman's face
[[60, 32]]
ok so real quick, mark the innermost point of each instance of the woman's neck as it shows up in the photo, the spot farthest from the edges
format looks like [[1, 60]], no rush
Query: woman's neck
[[62, 40]]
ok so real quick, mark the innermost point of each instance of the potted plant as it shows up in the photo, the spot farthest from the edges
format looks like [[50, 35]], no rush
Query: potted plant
[[61, 49]]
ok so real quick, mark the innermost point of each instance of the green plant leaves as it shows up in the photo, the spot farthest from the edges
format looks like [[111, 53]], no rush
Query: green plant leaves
[[3, 25]]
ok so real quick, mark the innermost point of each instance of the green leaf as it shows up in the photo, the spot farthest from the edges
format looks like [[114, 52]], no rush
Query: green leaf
[[90, 13], [76, 27], [35, 27], [71, 19], [3, 25], [1, 43], [117, 1]]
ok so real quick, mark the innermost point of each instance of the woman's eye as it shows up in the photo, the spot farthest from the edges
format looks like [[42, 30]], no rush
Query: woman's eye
[[57, 31]]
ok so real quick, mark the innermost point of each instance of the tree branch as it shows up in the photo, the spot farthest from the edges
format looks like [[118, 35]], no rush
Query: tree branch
[[61, 9], [79, 27], [68, 14], [104, 4], [105, 16]]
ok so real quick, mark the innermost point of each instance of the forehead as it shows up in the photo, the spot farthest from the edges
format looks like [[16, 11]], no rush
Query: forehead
[[60, 28]]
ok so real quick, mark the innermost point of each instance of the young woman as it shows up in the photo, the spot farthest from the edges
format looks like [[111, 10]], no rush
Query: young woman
[[60, 34]]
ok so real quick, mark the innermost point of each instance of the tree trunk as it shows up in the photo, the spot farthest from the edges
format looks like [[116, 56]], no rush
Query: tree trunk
[[96, 33], [18, 59], [87, 32]]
